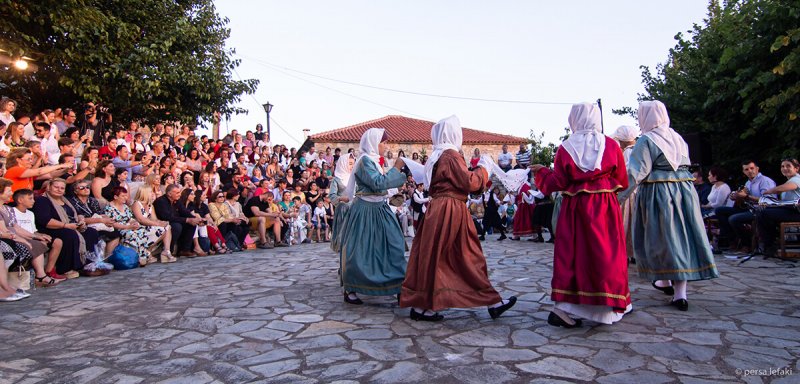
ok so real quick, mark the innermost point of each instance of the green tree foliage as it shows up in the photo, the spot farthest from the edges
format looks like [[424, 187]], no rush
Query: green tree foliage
[[736, 80], [158, 59], [541, 153]]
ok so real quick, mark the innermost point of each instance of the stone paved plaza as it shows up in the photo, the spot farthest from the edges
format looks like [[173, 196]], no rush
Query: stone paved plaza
[[277, 316]]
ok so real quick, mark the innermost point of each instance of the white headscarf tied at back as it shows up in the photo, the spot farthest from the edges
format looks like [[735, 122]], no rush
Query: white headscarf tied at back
[[626, 133], [343, 169], [654, 122], [368, 151], [446, 134], [586, 144]]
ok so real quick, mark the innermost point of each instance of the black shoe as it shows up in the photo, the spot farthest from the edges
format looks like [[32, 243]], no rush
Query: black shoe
[[538, 240], [667, 290], [482, 238], [681, 304], [398, 298], [557, 321], [497, 311], [502, 238], [416, 316], [515, 238], [355, 301]]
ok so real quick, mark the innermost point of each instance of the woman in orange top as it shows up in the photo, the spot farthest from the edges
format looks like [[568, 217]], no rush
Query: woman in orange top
[[21, 174]]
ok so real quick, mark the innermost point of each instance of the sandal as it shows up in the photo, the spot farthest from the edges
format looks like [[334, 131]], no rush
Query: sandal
[[200, 252], [45, 281], [166, 257]]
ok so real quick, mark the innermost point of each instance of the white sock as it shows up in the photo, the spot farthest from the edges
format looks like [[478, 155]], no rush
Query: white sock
[[495, 305], [680, 290], [663, 283]]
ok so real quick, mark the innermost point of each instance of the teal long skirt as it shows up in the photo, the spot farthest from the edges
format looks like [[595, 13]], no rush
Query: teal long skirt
[[669, 239], [556, 209], [372, 250], [337, 227]]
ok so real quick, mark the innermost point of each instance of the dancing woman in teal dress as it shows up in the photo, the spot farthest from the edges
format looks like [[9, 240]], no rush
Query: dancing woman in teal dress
[[341, 203], [372, 245], [669, 240]]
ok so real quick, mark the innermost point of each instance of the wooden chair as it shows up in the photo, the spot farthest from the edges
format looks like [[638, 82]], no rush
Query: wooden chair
[[789, 240]]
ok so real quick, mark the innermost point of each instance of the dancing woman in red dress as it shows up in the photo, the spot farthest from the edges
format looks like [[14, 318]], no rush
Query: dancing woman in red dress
[[590, 271]]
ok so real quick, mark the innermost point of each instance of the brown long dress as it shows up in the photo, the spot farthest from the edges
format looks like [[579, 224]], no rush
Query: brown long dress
[[447, 268]]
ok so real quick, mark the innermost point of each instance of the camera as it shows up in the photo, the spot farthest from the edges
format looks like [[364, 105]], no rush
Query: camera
[[100, 109]]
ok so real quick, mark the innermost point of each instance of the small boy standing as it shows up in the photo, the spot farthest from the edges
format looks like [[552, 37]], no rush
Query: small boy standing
[[320, 221]]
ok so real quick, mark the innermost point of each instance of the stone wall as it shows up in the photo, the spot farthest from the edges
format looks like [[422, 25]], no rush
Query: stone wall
[[409, 148]]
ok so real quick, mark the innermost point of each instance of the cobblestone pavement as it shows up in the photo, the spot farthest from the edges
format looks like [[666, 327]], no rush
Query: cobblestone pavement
[[278, 316]]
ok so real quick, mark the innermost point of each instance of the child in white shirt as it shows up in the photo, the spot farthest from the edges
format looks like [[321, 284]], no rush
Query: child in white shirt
[[320, 221]]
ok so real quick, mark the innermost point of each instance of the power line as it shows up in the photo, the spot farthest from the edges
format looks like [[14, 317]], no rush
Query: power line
[[342, 92], [271, 119], [275, 66]]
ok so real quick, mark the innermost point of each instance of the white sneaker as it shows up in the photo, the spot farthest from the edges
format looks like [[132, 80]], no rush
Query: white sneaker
[[15, 297], [24, 294]]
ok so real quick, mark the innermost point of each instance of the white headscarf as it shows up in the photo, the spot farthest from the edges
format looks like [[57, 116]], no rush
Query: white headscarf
[[368, 150], [343, 170], [654, 122], [626, 133], [586, 144], [446, 134]]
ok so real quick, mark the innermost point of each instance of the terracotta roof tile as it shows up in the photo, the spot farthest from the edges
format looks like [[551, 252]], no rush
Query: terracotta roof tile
[[403, 129]]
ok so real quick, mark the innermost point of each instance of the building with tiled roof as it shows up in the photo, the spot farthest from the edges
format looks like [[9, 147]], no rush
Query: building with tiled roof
[[411, 135]]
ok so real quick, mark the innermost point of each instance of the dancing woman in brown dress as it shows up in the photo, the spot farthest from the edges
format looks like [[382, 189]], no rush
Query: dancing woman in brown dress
[[447, 268]]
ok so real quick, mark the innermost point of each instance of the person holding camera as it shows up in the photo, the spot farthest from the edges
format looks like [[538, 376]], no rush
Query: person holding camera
[[124, 161], [95, 119]]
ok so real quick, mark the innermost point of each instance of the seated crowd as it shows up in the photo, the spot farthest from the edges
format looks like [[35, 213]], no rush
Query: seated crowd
[[72, 194], [749, 216]]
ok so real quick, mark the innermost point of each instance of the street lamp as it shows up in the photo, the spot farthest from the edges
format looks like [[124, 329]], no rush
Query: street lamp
[[268, 109], [21, 64]]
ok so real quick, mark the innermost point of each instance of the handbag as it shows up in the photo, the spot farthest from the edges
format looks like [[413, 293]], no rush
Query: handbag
[[124, 258], [100, 226], [20, 279]]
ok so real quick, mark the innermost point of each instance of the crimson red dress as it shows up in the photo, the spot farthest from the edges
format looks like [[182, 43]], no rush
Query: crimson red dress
[[523, 218], [590, 265], [447, 268]]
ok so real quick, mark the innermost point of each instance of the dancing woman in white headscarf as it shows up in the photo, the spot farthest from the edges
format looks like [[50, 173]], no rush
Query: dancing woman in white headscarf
[[447, 268], [626, 137], [669, 240], [341, 203], [590, 270], [372, 244]]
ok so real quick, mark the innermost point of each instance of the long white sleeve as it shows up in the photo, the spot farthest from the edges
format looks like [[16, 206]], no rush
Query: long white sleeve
[[719, 195], [419, 199], [528, 198]]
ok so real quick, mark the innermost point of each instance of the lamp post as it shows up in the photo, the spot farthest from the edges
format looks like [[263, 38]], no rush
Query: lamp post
[[268, 109]]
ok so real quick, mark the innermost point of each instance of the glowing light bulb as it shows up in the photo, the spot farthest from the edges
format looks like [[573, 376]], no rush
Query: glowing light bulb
[[21, 64]]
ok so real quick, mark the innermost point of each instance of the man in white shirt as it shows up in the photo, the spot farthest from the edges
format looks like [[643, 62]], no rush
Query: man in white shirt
[[311, 155], [504, 159], [48, 136]]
